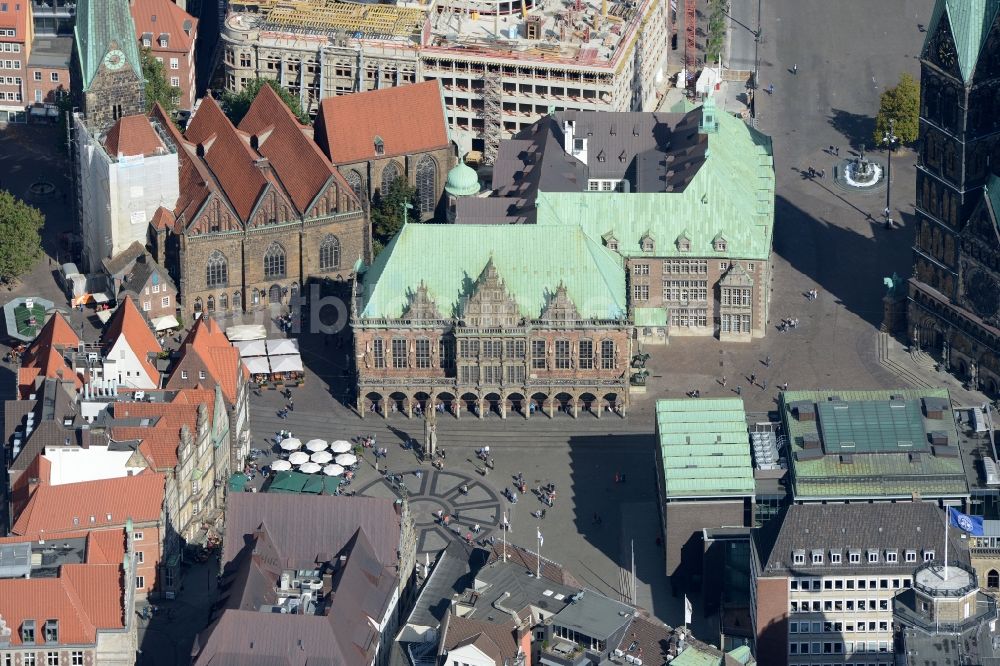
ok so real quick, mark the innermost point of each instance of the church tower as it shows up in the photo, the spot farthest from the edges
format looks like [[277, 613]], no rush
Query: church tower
[[954, 295], [106, 69]]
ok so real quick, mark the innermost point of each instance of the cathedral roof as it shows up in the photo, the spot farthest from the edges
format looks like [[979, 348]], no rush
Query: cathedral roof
[[99, 25], [970, 22], [531, 260]]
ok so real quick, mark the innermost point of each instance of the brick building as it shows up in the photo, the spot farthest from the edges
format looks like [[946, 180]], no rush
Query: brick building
[[824, 577], [377, 136], [48, 69], [135, 273], [261, 211], [170, 33], [16, 33], [504, 317], [685, 200]]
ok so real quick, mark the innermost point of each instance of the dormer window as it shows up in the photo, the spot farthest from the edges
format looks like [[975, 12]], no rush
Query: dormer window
[[798, 557], [28, 631], [911, 556], [854, 556], [647, 243], [379, 146], [52, 631], [928, 556], [610, 241], [720, 244], [683, 243], [601, 157], [835, 557], [891, 556], [872, 556], [817, 557], [147, 39]]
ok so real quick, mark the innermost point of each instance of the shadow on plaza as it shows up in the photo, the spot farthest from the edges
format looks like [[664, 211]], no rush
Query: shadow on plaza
[[857, 128], [841, 261], [614, 516]]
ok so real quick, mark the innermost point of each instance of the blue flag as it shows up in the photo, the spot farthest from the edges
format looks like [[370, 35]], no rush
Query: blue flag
[[970, 524]]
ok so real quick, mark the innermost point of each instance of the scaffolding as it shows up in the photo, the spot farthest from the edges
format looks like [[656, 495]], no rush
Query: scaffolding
[[492, 113], [334, 16]]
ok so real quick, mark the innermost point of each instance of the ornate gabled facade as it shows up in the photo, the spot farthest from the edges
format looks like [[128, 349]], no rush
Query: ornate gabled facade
[[484, 329], [954, 294], [261, 212]]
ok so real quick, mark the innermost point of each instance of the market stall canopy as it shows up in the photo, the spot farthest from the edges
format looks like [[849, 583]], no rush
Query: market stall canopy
[[165, 323], [291, 444], [257, 365], [246, 332], [315, 445], [333, 470], [251, 348], [341, 446], [321, 457], [346, 459], [298, 458], [237, 482], [282, 346], [294, 482], [281, 465], [309, 468], [286, 363]]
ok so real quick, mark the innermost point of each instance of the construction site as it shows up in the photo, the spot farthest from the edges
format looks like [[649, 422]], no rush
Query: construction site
[[501, 63]]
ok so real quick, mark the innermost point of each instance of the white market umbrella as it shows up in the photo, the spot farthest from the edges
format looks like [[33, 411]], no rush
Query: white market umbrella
[[346, 459], [291, 444], [341, 446], [333, 470], [309, 468], [281, 465], [298, 458], [321, 457], [315, 445]]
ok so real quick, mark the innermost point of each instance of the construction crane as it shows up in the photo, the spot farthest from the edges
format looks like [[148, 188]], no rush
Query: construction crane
[[524, 10]]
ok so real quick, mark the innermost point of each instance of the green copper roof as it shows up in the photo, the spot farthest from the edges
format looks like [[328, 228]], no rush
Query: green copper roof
[[970, 22], [704, 448], [650, 316], [694, 656], [731, 195], [531, 260], [462, 180], [871, 475], [101, 24]]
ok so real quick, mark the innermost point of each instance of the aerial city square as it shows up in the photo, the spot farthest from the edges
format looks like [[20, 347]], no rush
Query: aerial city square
[[500, 332]]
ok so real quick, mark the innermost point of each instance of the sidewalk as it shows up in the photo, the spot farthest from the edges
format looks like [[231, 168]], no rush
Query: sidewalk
[[917, 368]]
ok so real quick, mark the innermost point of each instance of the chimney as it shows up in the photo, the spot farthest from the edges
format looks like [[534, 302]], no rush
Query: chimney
[[569, 129]]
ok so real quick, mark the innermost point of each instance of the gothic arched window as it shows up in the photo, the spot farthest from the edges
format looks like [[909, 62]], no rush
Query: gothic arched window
[[329, 253], [389, 175], [223, 302], [427, 183], [211, 304], [237, 300], [274, 261], [354, 180], [217, 270]]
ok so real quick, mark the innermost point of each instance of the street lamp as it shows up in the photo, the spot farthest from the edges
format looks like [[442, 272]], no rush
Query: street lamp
[[406, 206], [889, 138]]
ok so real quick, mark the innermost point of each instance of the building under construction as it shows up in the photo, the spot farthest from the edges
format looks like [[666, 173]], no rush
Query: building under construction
[[501, 63]]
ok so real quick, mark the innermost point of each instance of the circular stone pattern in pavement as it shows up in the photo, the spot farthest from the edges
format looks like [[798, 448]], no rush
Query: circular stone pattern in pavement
[[440, 490]]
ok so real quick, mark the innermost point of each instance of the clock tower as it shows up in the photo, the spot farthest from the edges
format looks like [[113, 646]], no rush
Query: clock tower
[[106, 66], [953, 307]]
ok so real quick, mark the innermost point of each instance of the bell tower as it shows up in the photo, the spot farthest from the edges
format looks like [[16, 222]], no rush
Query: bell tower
[[106, 68]]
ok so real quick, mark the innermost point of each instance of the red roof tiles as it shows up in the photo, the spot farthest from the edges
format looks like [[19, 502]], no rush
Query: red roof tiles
[[71, 506], [212, 351], [133, 135], [163, 16], [45, 354], [127, 321], [408, 119], [160, 439]]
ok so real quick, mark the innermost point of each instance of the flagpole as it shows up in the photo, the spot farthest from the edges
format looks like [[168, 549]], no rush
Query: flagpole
[[947, 517], [503, 528], [633, 573], [538, 555]]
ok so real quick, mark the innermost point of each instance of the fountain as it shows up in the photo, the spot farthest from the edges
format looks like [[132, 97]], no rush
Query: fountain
[[860, 173]]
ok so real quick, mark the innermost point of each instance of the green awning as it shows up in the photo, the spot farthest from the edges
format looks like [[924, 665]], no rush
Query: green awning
[[237, 482], [297, 482]]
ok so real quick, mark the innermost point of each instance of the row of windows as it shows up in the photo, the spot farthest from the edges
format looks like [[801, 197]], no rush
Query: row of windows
[[735, 323], [491, 348], [838, 648], [10, 64], [491, 374], [688, 318], [873, 556], [815, 584], [696, 266], [11, 80], [51, 659], [10, 47], [840, 605], [148, 305], [737, 297], [53, 76], [685, 290], [12, 96], [217, 268], [837, 627], [494, 349], [426, 180]]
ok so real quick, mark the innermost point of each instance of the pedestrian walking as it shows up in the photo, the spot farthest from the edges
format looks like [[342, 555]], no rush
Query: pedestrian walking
[[739, 390], [767, 362], [723, 381], [795, 69], [753, 378], [836, 151], [763, 385]]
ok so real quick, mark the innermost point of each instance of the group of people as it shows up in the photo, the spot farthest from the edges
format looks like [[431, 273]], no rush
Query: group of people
[[788, 324]]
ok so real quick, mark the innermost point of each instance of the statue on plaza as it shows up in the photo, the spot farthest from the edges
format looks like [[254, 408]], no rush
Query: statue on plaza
[[430, 432], [973, 376], [894, 286], [945, 353]]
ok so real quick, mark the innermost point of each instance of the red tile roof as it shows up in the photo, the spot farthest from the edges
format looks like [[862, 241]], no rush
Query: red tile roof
[[44, 356], [228, 155], [216, 354], [106, 547], [297, 161], [127, 321], [163, 218], [159, 440], [53, 509], [408, 119], [163, 16], [133, 135]]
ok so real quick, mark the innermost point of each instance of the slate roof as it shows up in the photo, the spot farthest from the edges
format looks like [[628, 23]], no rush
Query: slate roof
[[142, 270], [53, 509], [98, 24], [117, 265], [595, 615], [497, 640], [133, 135], [970, 22], [732, 194], [704, 447], [882, 526], [408, 119], [870, 475], [524, 257], [157, 17]]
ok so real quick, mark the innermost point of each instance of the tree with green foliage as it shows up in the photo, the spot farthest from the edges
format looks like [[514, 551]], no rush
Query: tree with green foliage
[[19, 228], [236, 104], [158, 88], [387, 211], [901, 105], [716, 30]]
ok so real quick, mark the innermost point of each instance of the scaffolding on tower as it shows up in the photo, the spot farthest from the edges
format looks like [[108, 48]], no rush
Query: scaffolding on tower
[[492, 113]]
